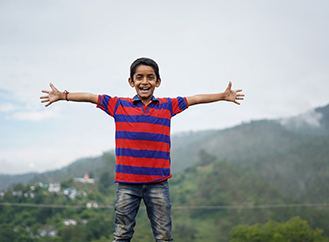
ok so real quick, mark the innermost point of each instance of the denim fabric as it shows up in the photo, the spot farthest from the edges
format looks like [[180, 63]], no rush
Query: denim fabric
[[157, 201]]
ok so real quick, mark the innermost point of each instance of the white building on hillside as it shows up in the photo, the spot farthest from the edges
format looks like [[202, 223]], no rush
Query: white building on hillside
[[85, 179]]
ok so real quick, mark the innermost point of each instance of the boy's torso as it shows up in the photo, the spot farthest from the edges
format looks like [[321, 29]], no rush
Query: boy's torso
[[142, 137]]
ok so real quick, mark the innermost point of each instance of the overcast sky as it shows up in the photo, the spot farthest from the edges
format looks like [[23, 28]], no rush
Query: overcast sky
[[276, 51]]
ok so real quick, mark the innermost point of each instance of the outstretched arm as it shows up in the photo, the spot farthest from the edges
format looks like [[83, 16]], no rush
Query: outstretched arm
[[54, 95], [229, 95]]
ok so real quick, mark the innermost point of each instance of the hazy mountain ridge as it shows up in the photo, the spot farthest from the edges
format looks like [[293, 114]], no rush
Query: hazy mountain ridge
[[94, 166], [296, 161], [265, 144], [7, 180], [255, 163]]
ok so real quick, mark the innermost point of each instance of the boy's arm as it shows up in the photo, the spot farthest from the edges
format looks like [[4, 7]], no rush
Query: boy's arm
[[229, 95], [54, 95]]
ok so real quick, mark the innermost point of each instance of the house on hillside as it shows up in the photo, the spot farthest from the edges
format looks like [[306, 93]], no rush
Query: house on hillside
[[44, 185], [92, 204], [69, 222], [47, 230], [54, 187], [85, 179], [71, 193], [73, 222]]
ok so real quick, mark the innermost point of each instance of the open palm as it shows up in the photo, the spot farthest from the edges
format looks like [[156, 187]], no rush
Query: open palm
[[233, 95], [53, 95]]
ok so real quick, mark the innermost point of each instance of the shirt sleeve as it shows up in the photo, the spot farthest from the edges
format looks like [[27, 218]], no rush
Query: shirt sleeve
[[179, 104], [107, 104]]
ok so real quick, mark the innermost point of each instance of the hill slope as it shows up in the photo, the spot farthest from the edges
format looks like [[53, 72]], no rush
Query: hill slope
[[295, 163], [295, 158], [222, 183], [94, 166]]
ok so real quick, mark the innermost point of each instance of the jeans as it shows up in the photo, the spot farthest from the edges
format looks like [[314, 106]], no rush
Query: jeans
[[158, 206]]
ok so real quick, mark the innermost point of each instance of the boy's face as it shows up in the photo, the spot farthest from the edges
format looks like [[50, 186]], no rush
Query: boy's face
[[145, 82]]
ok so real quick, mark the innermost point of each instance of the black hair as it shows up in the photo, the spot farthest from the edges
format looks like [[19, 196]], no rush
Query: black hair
[[144, 61]]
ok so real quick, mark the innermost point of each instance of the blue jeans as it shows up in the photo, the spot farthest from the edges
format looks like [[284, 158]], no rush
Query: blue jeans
[[157, 201]]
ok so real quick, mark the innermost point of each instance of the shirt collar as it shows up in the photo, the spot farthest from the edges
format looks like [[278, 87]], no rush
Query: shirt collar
[[136, 99]]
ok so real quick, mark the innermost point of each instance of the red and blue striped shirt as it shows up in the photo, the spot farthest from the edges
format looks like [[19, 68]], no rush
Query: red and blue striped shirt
[[142, 136]]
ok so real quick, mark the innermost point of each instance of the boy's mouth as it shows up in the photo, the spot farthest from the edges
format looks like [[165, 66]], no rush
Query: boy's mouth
[[144, 89]]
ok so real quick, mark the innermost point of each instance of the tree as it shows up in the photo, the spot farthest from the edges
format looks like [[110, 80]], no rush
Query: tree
[[206, 158], [66, 183], [98, 226], [294, 230], [105, 181]]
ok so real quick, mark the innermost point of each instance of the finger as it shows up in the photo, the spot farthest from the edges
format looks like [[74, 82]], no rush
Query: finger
[[44, 101], [47, 104], [237, 102], [45, 91], [229, 86], [52, 86], [42, 97]]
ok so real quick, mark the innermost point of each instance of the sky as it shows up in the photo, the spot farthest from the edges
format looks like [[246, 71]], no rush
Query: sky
[[276, 51]]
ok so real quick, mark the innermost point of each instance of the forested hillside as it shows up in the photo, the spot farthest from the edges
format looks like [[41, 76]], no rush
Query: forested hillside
[[8, 180], [93, 166], [293, 155], [209, 199], [223, 179], [296, 163], [224, 195]]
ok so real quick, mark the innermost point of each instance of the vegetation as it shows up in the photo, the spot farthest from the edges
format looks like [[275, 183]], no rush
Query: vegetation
[[295, 229], [210, 199], [229, 185]]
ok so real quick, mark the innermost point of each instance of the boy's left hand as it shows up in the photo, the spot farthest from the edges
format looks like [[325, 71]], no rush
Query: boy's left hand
[[233, 95]]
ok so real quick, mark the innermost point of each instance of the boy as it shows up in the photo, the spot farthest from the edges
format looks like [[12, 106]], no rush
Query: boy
[[142, 145]]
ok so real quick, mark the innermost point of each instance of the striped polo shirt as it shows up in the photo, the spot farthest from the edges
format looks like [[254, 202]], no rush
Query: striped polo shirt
[[142, 136]]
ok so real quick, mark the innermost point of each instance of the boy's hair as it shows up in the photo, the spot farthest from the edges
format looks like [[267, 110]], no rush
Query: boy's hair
[[144, 61]]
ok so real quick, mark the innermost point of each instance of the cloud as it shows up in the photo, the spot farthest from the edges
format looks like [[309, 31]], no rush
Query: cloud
[[34, 115], [25, 111], [7, 107], [307, 119]]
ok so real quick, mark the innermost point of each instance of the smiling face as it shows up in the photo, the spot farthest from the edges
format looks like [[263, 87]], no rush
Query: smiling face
[[145, 82]]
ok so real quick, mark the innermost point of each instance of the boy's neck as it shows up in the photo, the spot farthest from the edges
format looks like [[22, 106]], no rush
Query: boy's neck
[[146, 102]]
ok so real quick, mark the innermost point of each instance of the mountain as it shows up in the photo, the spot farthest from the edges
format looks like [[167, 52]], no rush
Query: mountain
[[241, 141], [8, 180], [94, 166], [296, 160], [252, 173], [213, 187], [293, 157]]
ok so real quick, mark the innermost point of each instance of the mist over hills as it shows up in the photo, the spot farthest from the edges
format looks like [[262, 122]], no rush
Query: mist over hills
[[292, 153], [263, 135], [314, 122], [289, 152], [94, 166]]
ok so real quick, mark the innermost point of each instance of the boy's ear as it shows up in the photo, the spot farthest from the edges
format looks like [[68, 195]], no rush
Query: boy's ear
[[157, 84], [131, 82]]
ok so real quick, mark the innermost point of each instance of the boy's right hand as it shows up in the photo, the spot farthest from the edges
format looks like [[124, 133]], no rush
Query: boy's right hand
[[53, 96]]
